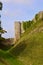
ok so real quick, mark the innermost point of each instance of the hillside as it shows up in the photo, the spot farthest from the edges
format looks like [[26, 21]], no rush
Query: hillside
[[8, 59], [29, 49]]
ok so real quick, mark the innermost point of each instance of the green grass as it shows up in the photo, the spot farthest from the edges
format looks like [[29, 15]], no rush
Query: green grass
[[1, 63], [32, 51], [29, 48], [8, 59]]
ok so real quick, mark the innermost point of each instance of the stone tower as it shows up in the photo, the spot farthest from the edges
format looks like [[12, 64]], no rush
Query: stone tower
[[17, 30]]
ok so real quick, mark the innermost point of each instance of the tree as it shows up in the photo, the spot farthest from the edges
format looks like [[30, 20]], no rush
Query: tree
[[24, 25], [2, 32], [36, 17]]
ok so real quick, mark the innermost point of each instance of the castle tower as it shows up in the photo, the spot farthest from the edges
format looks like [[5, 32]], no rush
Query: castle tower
[[17, 30]]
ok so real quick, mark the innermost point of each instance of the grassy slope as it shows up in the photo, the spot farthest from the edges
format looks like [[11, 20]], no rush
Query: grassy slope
[[29, 48], [8, 59]]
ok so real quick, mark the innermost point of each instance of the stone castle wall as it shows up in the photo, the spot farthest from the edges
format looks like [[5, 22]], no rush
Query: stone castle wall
[[17, 30]]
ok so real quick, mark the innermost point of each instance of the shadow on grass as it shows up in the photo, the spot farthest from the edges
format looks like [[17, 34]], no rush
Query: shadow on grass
[[4, 47], [4, 44], [18, 49], [14, 52]]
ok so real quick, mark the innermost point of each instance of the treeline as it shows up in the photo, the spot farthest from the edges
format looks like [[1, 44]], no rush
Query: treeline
[[27, 24], [38, 17]]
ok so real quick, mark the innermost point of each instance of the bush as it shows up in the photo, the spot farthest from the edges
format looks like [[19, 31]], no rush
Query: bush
[[2, 39], [27, 24]]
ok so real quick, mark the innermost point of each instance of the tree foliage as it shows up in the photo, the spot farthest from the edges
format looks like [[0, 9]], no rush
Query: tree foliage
[[36, 17], [3, 31], [26, 24]]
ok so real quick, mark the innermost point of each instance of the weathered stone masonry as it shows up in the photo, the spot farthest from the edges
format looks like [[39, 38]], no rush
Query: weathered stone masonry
[[17, 30]]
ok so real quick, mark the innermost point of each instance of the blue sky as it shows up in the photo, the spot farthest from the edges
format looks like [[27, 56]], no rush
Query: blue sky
[[18, 10]]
